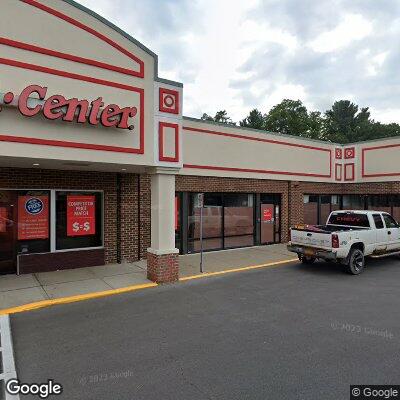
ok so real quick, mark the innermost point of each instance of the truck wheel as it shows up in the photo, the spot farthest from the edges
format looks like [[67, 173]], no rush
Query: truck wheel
[[306, 260], [356, 263]]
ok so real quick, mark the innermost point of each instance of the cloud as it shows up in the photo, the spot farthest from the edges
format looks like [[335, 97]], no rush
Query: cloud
[[238, 55]]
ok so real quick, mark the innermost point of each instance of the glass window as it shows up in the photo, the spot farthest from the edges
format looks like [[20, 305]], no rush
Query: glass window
[[396, 207], [389, 221], [325, 209], [349, 219], [310, 209], [212, 222], [178, 197], [33, 227], [353, 202], [79, 220], [379, 202], [378, 221], [238, 220]]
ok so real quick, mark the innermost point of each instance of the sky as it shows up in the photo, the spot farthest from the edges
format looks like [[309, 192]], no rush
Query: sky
[[239, 55]]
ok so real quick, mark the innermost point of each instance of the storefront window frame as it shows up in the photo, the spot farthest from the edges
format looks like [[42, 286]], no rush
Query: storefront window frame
[[53, 200], [52, 216]]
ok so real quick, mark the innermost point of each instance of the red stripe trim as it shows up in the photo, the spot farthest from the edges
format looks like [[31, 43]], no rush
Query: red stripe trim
[[245, 137], [363, 161], [69, 57], [52, 71], [61, 143], [92, 31], [257, 171], [256, 139]]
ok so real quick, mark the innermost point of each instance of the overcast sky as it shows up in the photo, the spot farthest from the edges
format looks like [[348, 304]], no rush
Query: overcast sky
[[238, 55]]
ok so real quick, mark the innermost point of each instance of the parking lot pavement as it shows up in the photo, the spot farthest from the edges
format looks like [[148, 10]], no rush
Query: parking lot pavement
[[291, 332]]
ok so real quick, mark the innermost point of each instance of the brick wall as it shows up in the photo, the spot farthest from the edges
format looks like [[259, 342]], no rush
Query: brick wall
[[135, 228]]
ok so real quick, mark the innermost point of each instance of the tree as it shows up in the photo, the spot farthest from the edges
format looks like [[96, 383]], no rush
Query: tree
[[206, 117], [288, 117], [220, 116], [315, 126], [345, 124], [255, 120]]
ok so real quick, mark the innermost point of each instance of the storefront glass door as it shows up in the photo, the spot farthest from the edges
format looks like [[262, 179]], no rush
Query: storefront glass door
[[270, 218], [8, 231]]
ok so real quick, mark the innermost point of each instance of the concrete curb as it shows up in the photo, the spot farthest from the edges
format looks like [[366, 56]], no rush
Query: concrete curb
[[106, 293]]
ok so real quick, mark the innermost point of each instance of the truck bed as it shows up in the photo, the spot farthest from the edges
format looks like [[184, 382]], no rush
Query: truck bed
[[326, 228]]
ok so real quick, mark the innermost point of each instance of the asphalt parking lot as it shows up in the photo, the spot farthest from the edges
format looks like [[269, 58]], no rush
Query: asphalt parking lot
[[290, 332]]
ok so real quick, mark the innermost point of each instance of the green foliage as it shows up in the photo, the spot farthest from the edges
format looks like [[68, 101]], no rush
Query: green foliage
[[288, 117], [255, 120], [220, 116], [343, 123]]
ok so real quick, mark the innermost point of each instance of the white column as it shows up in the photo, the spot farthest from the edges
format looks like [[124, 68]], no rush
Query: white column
[[163, 211]]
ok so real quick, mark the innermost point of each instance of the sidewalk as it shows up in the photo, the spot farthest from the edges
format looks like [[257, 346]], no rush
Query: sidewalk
[[29, 288]]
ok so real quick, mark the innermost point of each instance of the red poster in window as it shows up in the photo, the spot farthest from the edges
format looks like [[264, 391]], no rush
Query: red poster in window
[[267, 214], [33, 217], [81, 215], [3, 219]]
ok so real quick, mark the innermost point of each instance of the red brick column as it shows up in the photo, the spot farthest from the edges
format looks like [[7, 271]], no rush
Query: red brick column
[[162, 268]]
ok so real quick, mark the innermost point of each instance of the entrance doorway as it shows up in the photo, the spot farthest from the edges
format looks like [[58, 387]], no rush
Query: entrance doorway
[[8, 232], [270, 218]]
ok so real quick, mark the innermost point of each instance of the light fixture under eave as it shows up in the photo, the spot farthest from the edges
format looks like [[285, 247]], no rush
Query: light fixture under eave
[[123, 169], [35, 165]]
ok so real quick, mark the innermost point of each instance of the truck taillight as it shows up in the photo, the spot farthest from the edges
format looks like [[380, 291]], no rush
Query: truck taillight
[[335, 241]]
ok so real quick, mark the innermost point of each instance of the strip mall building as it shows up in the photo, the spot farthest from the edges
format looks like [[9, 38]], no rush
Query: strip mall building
[[98, 165]]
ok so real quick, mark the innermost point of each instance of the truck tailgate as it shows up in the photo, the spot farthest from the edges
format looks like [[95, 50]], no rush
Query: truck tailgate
[[310, 238]]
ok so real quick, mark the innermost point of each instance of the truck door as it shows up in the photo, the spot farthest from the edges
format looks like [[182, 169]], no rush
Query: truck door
[[393, 232], [381, 233]]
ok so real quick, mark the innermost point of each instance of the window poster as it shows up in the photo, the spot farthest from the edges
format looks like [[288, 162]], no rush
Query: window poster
[[81, 215], [33, 217]]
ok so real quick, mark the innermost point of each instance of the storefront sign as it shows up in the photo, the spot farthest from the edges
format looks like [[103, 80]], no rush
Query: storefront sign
[[58, 107], [3, 220], [267, 214], [33, 217], [81, 215]]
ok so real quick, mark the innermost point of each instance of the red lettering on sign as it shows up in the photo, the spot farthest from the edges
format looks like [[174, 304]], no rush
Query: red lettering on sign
[[81, 215], [58, 107], [33, 217]]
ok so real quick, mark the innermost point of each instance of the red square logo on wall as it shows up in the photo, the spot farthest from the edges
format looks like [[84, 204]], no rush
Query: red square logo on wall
[[169, 101]]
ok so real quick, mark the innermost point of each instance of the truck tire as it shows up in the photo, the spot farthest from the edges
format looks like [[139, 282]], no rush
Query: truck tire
[[356, 262], [306, 260]]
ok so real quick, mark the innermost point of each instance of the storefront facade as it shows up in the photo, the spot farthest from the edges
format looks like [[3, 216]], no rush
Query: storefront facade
[[98, 165]]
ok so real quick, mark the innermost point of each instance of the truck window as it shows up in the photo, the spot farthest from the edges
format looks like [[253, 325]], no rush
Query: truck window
[[378, 221], [349, 219], [389, 221]]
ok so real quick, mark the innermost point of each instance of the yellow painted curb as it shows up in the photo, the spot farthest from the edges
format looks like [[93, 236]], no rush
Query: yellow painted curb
[[73, 299], [227, 271], [95, 295]]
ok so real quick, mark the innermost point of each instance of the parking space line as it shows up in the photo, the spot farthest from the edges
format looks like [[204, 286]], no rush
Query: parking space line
[[7, 355]]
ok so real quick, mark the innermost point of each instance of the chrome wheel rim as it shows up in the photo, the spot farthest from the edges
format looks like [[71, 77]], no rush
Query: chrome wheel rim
[[358, 262]]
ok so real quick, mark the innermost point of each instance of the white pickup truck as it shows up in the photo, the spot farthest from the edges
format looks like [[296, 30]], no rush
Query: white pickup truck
[[348, 237]]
